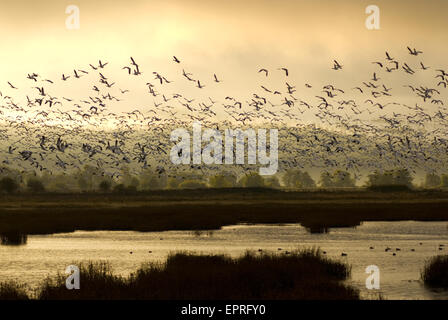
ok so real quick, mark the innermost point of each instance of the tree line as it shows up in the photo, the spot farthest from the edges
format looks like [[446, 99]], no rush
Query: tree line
[[90, 179]]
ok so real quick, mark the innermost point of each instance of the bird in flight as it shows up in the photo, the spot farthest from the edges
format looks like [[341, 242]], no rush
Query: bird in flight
[[263, 70], [286, 71], [423, 66], [175, 59], [199, 85], [102, 65], [388, 57], [10, 84], [127, 68]]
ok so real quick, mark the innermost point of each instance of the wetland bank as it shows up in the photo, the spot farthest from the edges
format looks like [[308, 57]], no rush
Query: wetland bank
[[210, 209]]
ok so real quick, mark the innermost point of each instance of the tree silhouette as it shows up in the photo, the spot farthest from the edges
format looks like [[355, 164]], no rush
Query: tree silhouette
[[222, 181], [35, 185], [397, 177], [8, 185], [295, 178], [432, 180], [252, 180]]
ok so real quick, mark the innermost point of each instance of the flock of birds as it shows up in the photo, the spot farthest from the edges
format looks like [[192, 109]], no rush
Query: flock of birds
[[359, 128]]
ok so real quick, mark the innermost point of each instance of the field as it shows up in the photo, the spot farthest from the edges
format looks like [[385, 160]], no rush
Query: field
[[304, 275]]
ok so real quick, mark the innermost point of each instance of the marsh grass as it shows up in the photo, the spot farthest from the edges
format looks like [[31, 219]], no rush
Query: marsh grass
[[211, 210], [302, 275], [435, 272], [298, 275], [97, 282]]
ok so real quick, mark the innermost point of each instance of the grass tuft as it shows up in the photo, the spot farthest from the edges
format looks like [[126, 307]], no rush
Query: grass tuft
[[12, 291], [299, 275], [435, 272]]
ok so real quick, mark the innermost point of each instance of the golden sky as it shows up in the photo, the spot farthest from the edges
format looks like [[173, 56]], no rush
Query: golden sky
[[231, 38]]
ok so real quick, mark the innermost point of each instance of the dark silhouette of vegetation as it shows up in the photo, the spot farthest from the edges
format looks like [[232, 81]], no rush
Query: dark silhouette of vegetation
[[435, 272], [339, 179], [12, 291], [434, 181], [90, 179], [252, 180], [210, 209], [8, 185], [13, 238], [390, 188], [399, 179], [444, 181], [105, 186], [298, 275], [192, 184], [123, 189], [298, 179], [36, 186], [222, 181]]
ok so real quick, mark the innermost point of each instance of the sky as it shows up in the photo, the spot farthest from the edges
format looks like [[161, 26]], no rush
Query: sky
[[232, 39]]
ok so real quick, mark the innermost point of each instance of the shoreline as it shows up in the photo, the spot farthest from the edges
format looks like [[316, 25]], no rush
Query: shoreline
[[213, 209]]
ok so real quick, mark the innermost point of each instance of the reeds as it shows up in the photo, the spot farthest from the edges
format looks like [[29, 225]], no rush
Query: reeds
[[12, 291], [435, 272]]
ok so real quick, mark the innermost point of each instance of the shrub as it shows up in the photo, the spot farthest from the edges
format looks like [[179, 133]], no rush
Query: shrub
[[35, 185], [435, 272], [339, 179], [121, 188], [105, 186], [252, 180], [192, 184], [12, 291], [294, 178], [432, 181], [8, 185], [297, 275], [399, 177], [222, 181]]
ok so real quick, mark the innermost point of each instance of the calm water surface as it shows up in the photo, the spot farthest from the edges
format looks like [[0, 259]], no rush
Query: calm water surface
[[399, 277]]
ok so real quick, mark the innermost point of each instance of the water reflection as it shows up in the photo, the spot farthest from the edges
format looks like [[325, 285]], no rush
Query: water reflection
[[45, 255], [17, 238], [318, 228]]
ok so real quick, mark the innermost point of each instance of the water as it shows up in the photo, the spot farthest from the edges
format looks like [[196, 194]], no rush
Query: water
[[44, 255]]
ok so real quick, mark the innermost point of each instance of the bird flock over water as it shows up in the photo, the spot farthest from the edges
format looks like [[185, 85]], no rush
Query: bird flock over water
[[370, 125]]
